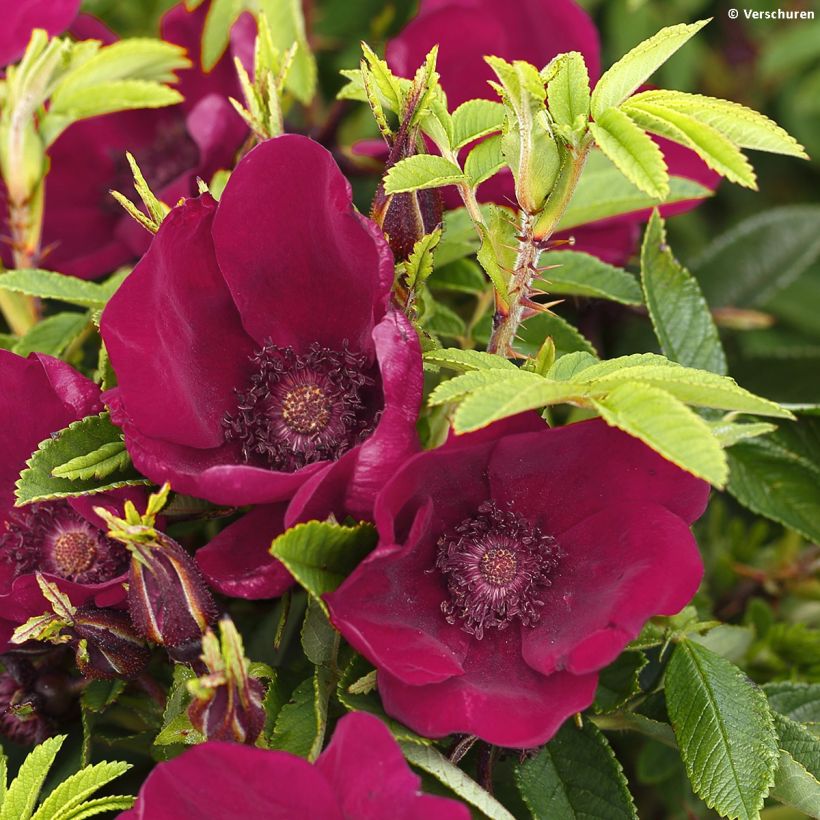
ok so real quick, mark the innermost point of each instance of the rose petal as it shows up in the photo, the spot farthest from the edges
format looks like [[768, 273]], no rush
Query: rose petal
[[617, 569]]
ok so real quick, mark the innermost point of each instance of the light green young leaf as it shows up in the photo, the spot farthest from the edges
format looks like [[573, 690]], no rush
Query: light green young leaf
[[421, 171], [420, 263], [22, 794], [599, 369], [53, 334], [729, 433], [320, 554], [508, 397], [742, 126], [496, 253], [711, 146], [576, 775], [435, 763], [106, 98], [466, 360], [216, 33], [679, 313], [698, 387], [459, 386], [568, 365], [580, 274], [484, 161], [391, 88], [79, 440], [287, 26], [45, 284], [603, 191], [91, 808], [635, 67], [75, 790], [474, 119], [568, 91], [634, 153], [136, 58], [101, 463], [724, 730], [666, 425]]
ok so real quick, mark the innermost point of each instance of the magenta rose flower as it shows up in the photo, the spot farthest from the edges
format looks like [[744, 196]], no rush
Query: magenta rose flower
[[63, 539], [361, 775], [512, 565], [20, 17], [536, 31], [85, 232], [265, 318]]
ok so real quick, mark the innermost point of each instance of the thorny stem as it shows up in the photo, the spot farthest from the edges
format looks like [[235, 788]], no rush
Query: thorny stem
[[534, 234]]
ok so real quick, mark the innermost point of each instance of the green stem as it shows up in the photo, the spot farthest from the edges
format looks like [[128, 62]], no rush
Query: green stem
[[535, 231]]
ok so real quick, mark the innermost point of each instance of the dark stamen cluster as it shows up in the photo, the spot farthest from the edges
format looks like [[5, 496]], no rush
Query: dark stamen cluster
[[299, 409], [52, 537], [497, 568]]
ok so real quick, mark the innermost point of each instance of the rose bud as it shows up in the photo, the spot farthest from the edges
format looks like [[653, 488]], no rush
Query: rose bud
[[227, 702], [104, 642], [168, 600], [108, 646], [21, 719]]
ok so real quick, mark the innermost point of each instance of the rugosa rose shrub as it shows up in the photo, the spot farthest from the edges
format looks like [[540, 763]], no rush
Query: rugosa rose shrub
[[63, 539], [490, 610], [361, 775]]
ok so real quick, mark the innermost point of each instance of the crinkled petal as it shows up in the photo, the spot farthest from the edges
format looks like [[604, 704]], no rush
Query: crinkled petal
[[21, 17], [238, 562], [401, 629], [371, 778], [533, 30], [557, 480], [301, 264], [617, 569], [225, 780], [499, 698], [40, 396], [174, 336]]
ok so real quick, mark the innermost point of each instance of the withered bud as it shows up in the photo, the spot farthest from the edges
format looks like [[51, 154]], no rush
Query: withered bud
[[227, 701], [168, 600], [107, 645]]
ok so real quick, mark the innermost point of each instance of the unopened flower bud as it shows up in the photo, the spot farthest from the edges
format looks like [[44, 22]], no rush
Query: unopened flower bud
[[227, 701], [107, 644], [104, 641], [168, 599]]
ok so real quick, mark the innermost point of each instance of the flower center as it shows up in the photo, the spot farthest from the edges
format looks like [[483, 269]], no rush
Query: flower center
[[299, 409], [306, 409], [74, 552], [52, 537], [497, 568]]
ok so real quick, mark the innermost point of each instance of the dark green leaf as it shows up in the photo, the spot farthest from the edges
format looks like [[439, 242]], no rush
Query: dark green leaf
[[54, 334], [749, 264], [778, 475], [580, 274], [618, 682], [80, 440], [321, 554], [724, 729], [679, 313], [576, 775]]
